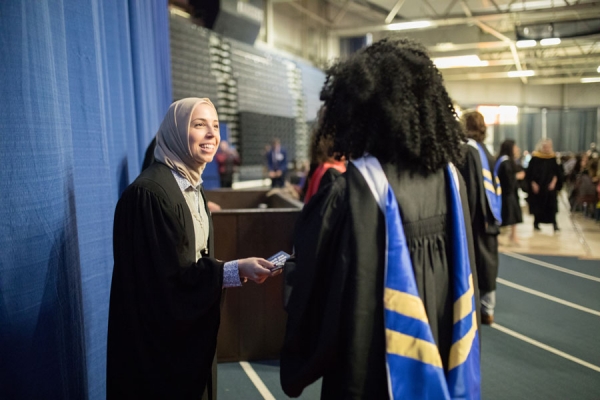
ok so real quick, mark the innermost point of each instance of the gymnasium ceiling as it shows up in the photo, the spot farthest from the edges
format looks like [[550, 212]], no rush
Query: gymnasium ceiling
[[483, 31]]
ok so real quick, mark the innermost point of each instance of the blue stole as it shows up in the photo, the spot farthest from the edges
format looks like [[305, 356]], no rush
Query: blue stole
[[497, 167], [491, 184], [413, 361]]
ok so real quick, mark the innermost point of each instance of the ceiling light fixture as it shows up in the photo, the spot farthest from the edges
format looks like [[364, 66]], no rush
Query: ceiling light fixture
[[521, 44], [598, 70], [590, 80], [519, 74], [550, 42], [403, 26], [459, 61]]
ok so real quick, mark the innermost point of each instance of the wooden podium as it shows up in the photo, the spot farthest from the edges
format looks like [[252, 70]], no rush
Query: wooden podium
[[252, 317]]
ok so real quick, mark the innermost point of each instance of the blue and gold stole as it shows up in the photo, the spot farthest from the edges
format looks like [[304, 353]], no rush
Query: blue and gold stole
[[491, 184], [497, 167], [414, 364]]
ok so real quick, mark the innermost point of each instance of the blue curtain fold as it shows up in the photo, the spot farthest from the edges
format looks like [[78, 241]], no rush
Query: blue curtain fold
[[84, 87]]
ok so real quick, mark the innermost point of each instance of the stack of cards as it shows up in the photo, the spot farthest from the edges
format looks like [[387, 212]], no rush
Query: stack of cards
[[279, 260]]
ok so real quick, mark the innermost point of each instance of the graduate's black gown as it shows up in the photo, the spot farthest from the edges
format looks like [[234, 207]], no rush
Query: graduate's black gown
[[544, 204], [164, 304], [335, 323], [511, 210], [485, 229]]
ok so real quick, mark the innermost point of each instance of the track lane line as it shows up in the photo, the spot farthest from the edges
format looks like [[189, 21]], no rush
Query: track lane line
[[547, 296], [551, 266], [545, 347], [258, 383]]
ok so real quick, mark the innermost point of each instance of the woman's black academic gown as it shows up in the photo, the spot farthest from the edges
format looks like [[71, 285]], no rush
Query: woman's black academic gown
[[511, 209], [164, 304], [544, 204], [485, 229], [335, 323]]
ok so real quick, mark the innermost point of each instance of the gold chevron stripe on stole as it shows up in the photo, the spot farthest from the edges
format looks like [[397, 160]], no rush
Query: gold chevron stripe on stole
[[489, 186], [405, 304], [461, 349], [487, 174], [464, 305], [412, 347], [498, 187]]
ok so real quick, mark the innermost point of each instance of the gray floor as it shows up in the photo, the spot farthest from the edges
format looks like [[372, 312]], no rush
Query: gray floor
[[511, 367]]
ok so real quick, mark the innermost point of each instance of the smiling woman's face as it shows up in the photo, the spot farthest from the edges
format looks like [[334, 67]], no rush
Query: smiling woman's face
[[204, 136]]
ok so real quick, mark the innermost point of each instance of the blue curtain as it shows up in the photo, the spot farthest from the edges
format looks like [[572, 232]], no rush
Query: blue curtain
[[84, 87]]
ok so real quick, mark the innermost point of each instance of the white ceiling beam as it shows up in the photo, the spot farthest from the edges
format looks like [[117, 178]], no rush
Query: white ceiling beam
[[589, 10], [310, 14], [338, 17], [431, 8], [539, 73], [390, 17], [493, 32], [449, 8]]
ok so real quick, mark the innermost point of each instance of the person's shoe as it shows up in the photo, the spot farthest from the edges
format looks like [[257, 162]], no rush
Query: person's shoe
[[536, 227], [556, 228], [487, 319]]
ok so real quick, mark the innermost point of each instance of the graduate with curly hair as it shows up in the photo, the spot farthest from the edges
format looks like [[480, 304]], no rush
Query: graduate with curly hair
[[384, 302]]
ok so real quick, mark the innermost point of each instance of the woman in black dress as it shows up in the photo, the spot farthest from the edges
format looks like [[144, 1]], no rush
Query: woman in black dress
[[166, 286], [506, 171], [545, 178], [387, 111]]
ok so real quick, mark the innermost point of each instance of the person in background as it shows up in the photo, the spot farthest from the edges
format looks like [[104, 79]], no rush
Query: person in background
[[593, 151], [383, 290], [328, 168], [585, 187], [166, 286], [277, 164], [484, 194], [507, 171], [545, 179], [227, 158], [525, 159], [571, 177]]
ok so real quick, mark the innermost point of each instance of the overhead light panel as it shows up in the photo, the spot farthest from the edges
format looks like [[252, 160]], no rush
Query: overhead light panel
[[459, 62], [598, 70], [519, 74], [403, 26], [590, 80], [550, 42], [521, 44]]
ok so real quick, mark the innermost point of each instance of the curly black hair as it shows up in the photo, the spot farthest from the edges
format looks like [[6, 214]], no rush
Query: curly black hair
[[389, 100]]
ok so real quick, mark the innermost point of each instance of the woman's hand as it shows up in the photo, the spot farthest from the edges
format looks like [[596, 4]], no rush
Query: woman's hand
[[552, 184], [255, 269], [520, 175], [535, 187]]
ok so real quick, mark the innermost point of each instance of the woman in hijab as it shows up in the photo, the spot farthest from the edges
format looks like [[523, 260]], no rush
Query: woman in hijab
[[166, 286]]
